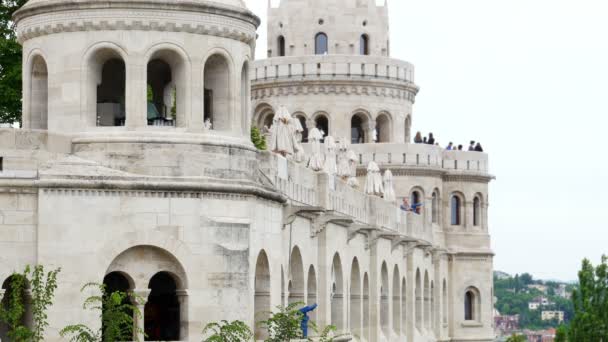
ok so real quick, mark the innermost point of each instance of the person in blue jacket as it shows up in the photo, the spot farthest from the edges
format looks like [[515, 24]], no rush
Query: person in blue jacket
[[304, 324]]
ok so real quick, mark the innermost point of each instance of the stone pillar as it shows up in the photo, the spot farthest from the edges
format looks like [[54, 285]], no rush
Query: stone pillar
[[136, 105], [139, 298], [28, 316], [370, 132], [182, 298]]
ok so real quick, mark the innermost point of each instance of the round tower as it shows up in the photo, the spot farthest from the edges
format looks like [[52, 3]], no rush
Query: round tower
[[134, 82], [337, 50]]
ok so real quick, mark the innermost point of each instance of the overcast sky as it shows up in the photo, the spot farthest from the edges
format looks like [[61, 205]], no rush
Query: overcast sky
[[529, 79]]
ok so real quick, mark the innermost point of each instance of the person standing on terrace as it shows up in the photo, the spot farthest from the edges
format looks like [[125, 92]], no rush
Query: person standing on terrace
[[431, 140], [418, 138]]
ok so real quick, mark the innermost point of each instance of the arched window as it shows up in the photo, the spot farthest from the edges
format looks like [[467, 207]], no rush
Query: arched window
[[419, 300], [262, 294], [435, 207], [337, 294], [396, 302], [162, 311], [470, 305], [366, 308], [245, 98], [39, 94], [383, 128], [455, 210], [323, 124], [384, 301], [321, 44], [444, 303], [281, 46], [111, 94], [166, 96], [416, 201], [364, 45], [312, 291], [476, 211], [117, 282], [217, 92], [357, 129], [12, 284], [355, 298], [302, 119], [296, 277]]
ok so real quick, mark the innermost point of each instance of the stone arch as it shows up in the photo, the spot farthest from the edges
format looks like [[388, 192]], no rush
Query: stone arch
[[296, 277], [478, 208], [366, 308], [435, 206], [7, 288], [104, 69], [37, 102], [418, 295], [472, 304], [444, 302], [396, 302], [384, 300], [311, 290], [360, 122], [321, 44], [355, 298], [384, 127], [417, 199], [408, 128], [163, 311], [168, 96], [364, 44], [322, 122], [119, 282], [217, 92], [281, 46], [337, 293], [403, 307], [457, 209], [432, 306], [427, 301], [263, 115], [299, 115], [245, 98], [261, 306]]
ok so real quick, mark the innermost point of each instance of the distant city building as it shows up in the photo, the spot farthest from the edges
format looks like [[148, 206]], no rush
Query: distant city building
[[501, 275], [538, 302], [533, 306], [550, 315], [541, 288], [506, 325], [562, 292], [541, 335]]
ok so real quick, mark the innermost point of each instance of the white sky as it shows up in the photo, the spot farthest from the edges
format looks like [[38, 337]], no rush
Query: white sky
[[527, 78]]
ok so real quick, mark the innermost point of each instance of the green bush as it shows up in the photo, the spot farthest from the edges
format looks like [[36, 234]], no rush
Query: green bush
[[225, 331], [258, 139]]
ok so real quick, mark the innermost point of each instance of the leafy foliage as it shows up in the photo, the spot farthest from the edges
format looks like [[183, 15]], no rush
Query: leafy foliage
[[561, 334], [116, 315], [43, 292], [10, 63], [590, 322], [258, 139], [513, 296], [225, 331], [284, 325], [517, 338], [13, 314]]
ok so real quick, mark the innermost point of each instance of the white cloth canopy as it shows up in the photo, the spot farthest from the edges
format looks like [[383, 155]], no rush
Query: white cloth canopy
[[297, 128], [389, 189], [316, 157], [352, 163], [281, 140], [330, 165], [344, 168], [373, 180]]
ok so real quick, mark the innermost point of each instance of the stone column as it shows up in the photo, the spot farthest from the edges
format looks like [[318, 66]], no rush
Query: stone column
[[182, 298], [369, 134], [139, 298]]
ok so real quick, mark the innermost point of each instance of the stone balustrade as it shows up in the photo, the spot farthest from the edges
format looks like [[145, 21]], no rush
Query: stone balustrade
[[332, 66], [305, 187]]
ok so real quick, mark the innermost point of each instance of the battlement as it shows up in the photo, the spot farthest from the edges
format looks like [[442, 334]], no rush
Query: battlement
[[332, 67]]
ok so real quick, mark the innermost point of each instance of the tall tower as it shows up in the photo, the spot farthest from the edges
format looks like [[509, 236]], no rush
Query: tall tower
[[338, 50]]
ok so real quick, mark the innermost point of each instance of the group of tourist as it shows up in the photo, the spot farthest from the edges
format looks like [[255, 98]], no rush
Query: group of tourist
[[430, 140], [473, 146], [414, 207]]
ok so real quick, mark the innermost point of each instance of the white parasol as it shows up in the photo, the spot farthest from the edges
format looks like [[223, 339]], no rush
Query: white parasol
[[389, 189], [282, 133], [373, 180]]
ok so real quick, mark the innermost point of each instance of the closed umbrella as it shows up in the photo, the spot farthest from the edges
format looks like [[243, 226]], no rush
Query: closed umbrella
[[352, 163], [282, 133], [344, 168], [297, 128], [373, 180], [389, 189], [330, 166], [316, 157]]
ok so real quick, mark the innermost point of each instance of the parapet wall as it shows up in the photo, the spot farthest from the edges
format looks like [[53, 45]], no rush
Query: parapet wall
[[328, 66]]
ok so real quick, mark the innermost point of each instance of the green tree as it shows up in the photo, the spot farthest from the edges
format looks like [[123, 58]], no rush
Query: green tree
[[13, 313], [590, 321], [258, 139], [43, 291], [517, 338], [225, 331], [284, 324], [10, 63], [115, 313], [561, 334]]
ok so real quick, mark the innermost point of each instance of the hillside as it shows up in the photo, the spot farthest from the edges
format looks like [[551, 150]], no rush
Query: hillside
[[515, 293]]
